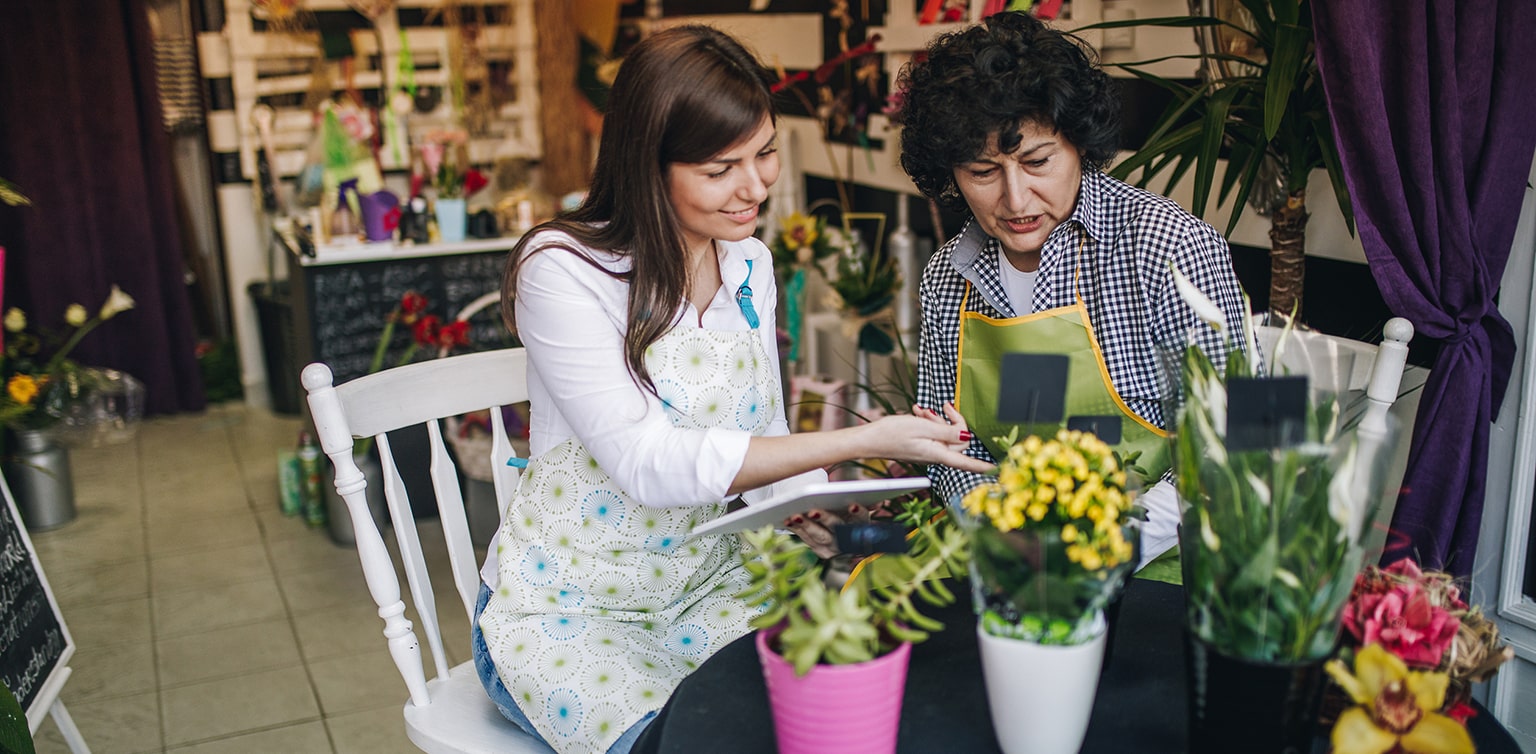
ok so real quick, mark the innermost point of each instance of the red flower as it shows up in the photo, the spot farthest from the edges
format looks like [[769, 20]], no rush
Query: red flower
[[453, 335], [1461, 712], [1405, 623], [412, 304], [474, 180], [426, 329]]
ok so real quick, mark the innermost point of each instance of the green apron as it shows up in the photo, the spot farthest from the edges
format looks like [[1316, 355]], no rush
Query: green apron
[[1067, 331]]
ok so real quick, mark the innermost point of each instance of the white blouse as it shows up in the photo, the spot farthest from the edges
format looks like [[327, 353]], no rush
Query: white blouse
[[571, 317]]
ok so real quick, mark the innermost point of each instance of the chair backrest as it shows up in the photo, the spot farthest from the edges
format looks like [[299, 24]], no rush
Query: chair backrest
[[1359, 366], [420, 393]]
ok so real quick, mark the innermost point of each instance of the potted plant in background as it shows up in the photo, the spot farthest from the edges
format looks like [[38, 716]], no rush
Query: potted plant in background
[[445, 156], [836, 663], [1260, 107], [39, 388], [1277, 481], [1052, 542]]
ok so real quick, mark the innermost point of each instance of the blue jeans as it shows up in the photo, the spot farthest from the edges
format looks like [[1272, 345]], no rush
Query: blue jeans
[[491, 680]]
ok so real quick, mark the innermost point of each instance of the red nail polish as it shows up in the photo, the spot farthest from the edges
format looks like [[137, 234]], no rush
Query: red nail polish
[[814, 515], [795, 521], [854, 508], [965, 435]]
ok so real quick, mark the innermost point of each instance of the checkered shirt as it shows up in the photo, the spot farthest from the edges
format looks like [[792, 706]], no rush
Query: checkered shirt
[[1129, 238]]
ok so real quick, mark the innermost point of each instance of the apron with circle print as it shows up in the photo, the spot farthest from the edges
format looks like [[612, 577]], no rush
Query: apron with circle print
[[602, 607]]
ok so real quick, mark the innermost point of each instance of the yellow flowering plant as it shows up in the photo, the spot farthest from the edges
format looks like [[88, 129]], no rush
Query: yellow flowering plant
[[33, 376], [1052, 540]]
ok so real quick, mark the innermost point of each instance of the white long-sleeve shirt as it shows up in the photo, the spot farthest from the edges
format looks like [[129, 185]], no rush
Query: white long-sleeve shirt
[[571, 317]]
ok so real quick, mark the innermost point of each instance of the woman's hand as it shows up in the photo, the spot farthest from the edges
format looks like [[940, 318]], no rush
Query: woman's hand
[[924, 437]]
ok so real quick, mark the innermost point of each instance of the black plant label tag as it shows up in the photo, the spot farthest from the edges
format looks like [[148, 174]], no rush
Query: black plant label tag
[[1106, 428], [1032, 388], [1266, 412]]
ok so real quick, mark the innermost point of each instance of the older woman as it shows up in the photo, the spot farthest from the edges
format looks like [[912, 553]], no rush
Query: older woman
[[1014, 121]]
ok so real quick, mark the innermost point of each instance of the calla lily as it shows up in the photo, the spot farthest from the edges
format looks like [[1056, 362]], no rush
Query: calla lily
[[75, 315], [1398, 708], [1204, 308], [117, 302], [15, 320]]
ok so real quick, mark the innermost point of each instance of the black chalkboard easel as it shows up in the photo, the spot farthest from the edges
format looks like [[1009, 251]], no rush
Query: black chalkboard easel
[[35, 645]]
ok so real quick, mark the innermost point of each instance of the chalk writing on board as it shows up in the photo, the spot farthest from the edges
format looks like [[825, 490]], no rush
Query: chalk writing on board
[[32, 639], [350, 303]]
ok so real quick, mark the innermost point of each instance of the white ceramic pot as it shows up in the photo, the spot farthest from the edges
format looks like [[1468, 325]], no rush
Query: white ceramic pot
[[1041, 696]]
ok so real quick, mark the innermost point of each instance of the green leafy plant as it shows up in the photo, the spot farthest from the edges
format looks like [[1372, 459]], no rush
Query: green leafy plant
[[1272, 535], [1260, 107], [15, 734], [823, 627], [35, 368]]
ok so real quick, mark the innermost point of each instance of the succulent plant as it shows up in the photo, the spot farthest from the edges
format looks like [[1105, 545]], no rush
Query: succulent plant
[[859, 623]]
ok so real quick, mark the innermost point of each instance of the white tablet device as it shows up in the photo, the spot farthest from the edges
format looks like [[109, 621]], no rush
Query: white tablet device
[[825, 495]]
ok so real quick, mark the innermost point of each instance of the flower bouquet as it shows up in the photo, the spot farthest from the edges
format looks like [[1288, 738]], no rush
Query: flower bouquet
[[1276, 481], [1409, 626], [866, 286], [48, 400], [1052, 542]]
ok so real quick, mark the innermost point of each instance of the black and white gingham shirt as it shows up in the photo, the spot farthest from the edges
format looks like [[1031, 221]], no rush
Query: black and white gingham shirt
[[1131, 237]]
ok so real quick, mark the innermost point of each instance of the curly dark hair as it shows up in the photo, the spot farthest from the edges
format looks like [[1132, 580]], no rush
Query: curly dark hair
[[994, 77]]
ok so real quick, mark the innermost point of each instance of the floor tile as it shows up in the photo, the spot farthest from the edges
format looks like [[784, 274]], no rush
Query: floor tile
[[110, 624], [340, 630], [226, 652], [292, 739], [122, 725], [375, 731], [203, 711], [180, 613], [96, 584], [101, 672], [199, 570], [214, 531], [315, 552], [304, 738], [358, 682], [313, 590]]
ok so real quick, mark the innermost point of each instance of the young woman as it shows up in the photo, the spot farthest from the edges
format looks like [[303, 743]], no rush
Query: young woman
[[648, 316], [1012, 121]]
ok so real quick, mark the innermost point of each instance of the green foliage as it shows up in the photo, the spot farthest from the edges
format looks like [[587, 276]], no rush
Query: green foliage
[[1270, 107], [11, 195], [822, 627], [1271, 536], [15, 735]]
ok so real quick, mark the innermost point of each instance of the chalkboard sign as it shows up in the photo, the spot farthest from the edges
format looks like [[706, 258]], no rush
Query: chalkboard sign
[[346, 306], [35, 647]]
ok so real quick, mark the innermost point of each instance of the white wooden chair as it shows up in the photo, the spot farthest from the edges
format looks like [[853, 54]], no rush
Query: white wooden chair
[[451, 712], [1360, 366]]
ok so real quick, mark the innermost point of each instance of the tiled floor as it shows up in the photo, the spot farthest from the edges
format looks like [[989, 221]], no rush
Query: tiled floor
[[206, 621]]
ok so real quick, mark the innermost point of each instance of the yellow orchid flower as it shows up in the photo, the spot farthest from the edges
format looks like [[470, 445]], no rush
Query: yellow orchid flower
[[799, 231], [1398, 708]]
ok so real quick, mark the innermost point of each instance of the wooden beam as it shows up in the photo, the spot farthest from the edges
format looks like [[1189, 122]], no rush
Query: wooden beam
[[566, 162]]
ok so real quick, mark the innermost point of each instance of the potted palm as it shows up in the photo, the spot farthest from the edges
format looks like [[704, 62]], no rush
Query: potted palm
[[1260, 106], [835, 662]]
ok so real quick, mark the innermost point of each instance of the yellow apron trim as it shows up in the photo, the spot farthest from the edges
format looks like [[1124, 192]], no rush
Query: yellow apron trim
[[1098, 356]]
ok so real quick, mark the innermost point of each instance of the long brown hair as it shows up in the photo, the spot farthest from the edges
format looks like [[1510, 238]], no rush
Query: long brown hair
[[683, 95]]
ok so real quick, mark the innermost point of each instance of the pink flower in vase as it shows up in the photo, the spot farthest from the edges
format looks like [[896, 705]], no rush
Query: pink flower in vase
[[432, 156]]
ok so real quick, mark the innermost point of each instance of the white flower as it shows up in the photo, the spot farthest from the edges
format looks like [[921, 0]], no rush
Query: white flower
[[1204, 308], [15, 320], [1344, 496], [117, 302], [75, 315]]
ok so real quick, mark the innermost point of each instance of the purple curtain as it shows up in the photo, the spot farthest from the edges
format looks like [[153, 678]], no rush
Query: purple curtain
[[80, 133], [1434, 107]]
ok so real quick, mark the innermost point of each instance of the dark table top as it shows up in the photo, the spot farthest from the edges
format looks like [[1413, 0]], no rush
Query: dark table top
[[1140, 706]]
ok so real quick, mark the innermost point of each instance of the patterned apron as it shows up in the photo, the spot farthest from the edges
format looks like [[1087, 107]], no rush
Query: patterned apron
[[602, 607]]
